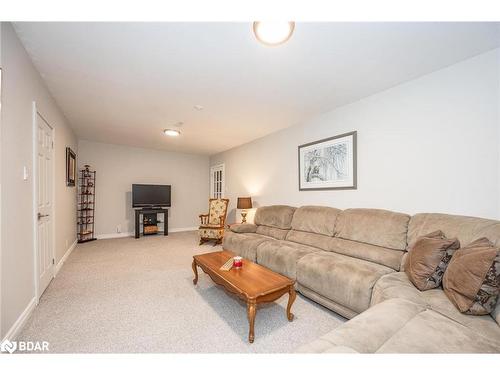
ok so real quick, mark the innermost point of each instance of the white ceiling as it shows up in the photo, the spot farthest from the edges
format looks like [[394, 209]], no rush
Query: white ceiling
[[124, 83]]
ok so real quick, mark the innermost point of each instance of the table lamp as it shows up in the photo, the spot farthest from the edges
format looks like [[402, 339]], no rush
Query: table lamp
[[244, 203]]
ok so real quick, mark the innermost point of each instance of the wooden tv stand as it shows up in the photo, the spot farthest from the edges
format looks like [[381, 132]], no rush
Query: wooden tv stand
[[146, 211]]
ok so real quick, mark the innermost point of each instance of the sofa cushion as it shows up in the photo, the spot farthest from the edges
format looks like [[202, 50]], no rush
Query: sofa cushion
[[472, 280], [276, 233], [375, 227], [311, 239], [483, 325], [465, 228], [282, 256], [345, 280], [431, 332], [243, 228], [428, 258], [400, 326], [397, 285], [315, 219], [377, 254], [275, 216], [244, 244], [367, 332]]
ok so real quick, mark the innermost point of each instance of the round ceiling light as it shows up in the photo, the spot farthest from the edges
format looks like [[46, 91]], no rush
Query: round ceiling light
[[172, 132], [273, 33]]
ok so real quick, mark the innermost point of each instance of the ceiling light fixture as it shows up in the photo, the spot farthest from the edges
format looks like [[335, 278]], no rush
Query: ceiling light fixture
[[172, 132], [273, 33]]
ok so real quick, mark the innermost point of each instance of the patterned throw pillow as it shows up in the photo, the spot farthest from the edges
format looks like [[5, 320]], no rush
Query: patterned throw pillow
[[472, 280], [428, 258]]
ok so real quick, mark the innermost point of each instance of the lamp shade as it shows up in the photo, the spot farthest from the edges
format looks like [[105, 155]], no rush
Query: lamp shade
[[244, 203]]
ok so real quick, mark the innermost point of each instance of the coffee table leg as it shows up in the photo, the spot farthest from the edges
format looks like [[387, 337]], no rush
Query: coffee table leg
[[251, 310], [291, 298], [195, 270]]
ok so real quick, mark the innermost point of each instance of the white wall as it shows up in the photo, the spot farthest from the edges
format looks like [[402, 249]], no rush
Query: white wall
[[1, 183], [118, 167], [498, 125], [431, 144], [20, 87]]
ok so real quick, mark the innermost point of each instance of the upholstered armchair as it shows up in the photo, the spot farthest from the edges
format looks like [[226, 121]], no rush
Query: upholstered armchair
[[212, 224]]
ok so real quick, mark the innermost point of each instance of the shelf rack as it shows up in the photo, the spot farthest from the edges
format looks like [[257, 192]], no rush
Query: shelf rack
[[86, 205]]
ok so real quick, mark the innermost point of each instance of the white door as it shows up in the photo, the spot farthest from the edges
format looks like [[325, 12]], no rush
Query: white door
[[44, 197], [217, 185]]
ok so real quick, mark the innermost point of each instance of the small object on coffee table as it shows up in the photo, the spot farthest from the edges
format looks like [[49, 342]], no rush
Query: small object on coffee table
[[237, 262], [228, 265], [253, 283]]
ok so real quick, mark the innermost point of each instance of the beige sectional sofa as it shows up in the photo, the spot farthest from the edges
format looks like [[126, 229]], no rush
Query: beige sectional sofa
[[351, 262]]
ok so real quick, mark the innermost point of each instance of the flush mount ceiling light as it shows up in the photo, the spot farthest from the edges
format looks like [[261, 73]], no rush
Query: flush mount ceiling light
[[172, 132], [273, 33]]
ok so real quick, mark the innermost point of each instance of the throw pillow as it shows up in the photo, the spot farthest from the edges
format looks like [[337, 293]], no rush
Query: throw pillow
[[472, 280], [428, 258], [243, 228]]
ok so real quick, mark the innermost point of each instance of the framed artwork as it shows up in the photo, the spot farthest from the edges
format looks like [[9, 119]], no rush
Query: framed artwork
[[329, 164], [70, 167]]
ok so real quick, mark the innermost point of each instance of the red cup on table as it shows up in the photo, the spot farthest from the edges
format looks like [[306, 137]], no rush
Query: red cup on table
[[237, 262]]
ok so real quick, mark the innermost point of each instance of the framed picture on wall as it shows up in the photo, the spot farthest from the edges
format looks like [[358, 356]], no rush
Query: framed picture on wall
[[329, 164], [70, 167]]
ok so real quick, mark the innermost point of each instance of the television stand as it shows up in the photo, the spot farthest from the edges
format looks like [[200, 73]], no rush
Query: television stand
[[150, 212]]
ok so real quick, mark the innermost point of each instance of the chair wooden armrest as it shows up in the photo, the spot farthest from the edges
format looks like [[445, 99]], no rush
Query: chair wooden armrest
[[211, 226], [222, 220], [203, 219]]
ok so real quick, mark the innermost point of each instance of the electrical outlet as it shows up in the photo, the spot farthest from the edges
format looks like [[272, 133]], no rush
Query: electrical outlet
[[118, 228]]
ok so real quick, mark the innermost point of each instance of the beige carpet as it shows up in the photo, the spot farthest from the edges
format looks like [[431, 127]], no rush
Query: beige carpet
[[128, 295]]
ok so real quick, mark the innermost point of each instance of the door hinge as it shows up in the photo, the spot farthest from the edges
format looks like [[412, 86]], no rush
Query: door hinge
[[52, 144], [53, 261]]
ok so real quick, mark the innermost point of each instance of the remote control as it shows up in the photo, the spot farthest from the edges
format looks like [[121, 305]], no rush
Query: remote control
[[228, 265]]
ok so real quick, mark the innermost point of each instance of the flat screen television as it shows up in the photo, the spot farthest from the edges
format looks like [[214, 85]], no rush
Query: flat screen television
[[150, 195]]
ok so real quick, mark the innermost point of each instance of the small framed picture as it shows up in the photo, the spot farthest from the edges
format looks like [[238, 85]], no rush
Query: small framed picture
[[70, 167], [329, 164]]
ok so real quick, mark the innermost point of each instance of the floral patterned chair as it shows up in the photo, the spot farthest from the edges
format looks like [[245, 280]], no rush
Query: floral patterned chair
[[212, 224]]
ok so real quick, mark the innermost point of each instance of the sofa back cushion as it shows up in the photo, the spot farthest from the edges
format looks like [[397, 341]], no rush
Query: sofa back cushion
[[277, 233], [275, 216], [376, 254], [315, 219], [465, 228], [319, 241], [372, 226]]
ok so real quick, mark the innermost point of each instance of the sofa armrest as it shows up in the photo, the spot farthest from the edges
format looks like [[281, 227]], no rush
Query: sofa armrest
[[243, 228]]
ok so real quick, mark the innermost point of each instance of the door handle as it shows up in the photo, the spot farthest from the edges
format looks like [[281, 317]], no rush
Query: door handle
[[40, 216]]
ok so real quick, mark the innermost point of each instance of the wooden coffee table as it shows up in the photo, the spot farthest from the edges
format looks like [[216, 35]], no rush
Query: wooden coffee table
[[253, 283]]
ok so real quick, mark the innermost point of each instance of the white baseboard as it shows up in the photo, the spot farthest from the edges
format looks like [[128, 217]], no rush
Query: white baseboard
[[65, 256], [132, 234], [186, 229], [16, 328], [114, 235]]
